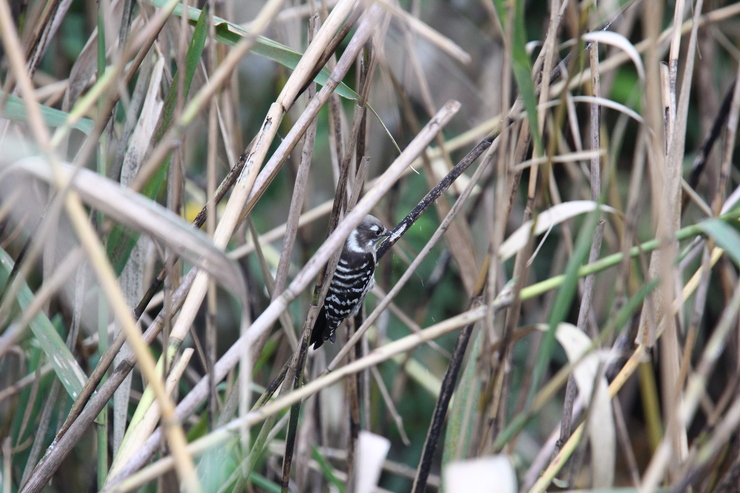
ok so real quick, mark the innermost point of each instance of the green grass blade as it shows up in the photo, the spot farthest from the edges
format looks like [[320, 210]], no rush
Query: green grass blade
[[15, 110], [562, 303], [460, 422], [264, 483], [326, 469], [230, 34], [725, 236], [520, 64], [28, 402], [61, 359]]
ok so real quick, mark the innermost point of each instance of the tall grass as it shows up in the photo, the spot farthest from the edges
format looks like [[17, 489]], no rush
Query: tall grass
[[556, 309]]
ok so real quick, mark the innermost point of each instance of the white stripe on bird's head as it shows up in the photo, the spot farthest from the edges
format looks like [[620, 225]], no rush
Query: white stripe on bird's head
[[353, 243]]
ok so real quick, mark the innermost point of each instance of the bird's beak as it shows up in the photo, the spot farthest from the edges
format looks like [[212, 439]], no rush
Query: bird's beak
[[386, 234]]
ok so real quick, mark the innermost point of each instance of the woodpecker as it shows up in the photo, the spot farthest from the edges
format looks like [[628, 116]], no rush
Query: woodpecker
[[352, 280]]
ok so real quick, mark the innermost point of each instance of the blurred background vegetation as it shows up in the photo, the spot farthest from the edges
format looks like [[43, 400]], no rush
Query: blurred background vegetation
[[138, 94]]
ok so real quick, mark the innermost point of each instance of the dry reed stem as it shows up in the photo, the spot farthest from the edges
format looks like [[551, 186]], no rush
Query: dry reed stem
[[99, 261], [436, 236], [312, 267], [255, 154], [634, 361], [702, 467], [375, 357]]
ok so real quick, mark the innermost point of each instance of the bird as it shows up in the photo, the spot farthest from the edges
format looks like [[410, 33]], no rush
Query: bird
[[352, 280]]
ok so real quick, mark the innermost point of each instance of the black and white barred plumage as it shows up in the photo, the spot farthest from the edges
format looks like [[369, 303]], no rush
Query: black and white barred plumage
[[352, 280]]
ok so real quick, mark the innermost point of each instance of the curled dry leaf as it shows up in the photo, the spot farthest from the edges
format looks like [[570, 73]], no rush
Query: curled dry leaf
[[589, 377], [545, 220], [616, 39]]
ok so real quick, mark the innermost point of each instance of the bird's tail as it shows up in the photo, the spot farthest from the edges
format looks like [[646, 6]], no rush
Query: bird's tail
[[319, 328]]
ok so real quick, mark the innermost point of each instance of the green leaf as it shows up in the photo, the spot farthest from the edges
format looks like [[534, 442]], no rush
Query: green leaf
[[264, 483], [61, 359], [460, 423], [15, 110], [520, 63], [31, 402], [119, 246], [218, 464], [562, 303], [230, 34], [725, 236], [326, 469]]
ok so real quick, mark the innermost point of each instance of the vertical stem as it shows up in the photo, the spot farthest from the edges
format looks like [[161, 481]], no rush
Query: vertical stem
[[102, 419], [211, 227]]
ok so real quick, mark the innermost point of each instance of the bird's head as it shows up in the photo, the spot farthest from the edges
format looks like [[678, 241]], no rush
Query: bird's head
[[368, 236]]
